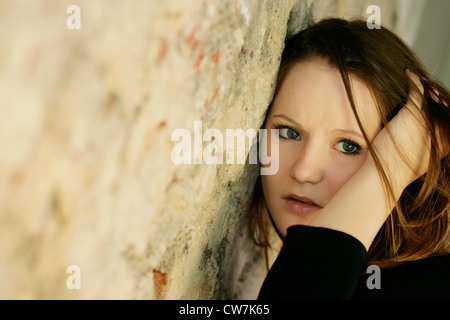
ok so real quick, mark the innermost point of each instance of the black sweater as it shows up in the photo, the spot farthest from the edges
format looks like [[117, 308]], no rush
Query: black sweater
[[320, 263]]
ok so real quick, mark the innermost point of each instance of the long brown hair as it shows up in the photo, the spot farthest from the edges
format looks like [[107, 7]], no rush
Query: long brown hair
[[418, 226]]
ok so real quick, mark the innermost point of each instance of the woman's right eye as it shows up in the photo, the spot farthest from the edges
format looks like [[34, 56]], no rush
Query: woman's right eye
[[289, 133]]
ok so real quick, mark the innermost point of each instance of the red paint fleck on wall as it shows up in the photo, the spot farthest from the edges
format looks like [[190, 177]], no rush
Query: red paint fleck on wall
[[198, 61], [190, 38], [210, 101], [162, 51], [215, 57], [161, 124], [160, 282]]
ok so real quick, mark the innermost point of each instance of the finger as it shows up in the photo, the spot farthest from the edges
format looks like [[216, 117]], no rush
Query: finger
[[416, 90]]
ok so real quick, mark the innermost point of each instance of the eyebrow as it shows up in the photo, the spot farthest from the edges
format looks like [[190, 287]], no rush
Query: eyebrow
[[341, 131]]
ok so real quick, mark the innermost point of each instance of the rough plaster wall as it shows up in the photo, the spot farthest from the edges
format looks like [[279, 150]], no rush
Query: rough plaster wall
[[86, 176]]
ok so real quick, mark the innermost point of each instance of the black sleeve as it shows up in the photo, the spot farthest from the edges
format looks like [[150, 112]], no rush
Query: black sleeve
[[315, 263]]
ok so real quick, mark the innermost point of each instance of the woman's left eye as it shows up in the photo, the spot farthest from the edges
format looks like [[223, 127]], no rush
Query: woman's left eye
[[348, 147], [289, 133]]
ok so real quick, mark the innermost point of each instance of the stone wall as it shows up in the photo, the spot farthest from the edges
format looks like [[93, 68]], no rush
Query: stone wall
[[86, 175]]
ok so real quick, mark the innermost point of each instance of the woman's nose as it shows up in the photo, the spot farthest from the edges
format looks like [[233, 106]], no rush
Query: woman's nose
[[309, 165]]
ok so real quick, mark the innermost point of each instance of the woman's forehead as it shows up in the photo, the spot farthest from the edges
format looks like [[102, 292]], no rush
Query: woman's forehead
[[314, 90]]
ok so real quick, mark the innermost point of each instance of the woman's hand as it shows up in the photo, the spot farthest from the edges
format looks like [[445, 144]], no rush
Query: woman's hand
[[403, 146]]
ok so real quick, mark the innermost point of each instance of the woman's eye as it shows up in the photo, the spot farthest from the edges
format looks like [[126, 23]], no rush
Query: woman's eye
[[348, 147], [289, 133]]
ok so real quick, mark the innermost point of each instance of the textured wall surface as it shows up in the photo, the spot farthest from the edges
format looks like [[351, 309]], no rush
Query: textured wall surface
[[86, 176]]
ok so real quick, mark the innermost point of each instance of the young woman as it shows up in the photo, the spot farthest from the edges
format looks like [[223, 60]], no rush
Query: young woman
[[364, 170]]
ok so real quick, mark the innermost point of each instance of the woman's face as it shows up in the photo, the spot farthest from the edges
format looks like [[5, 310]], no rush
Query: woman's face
[[320, 143]]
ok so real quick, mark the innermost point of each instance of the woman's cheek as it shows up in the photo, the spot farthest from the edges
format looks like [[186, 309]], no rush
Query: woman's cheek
[[341, 171]]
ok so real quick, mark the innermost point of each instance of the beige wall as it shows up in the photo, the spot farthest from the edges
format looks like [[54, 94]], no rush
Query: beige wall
[[86, 176]]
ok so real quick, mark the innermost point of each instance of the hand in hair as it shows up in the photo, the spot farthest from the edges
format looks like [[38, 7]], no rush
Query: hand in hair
[[403, 145], [403, 148]]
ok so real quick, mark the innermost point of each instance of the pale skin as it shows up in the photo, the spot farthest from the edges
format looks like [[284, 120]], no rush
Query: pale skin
[[319, 159]]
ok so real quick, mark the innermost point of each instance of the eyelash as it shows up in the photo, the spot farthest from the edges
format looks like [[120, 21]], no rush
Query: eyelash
[[357, 150]]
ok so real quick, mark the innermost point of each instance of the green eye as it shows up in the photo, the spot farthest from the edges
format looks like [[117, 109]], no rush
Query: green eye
[[348, 147], [289, 133]]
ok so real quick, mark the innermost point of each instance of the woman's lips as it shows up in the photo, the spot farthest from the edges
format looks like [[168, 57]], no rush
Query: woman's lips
[[301, 206]]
